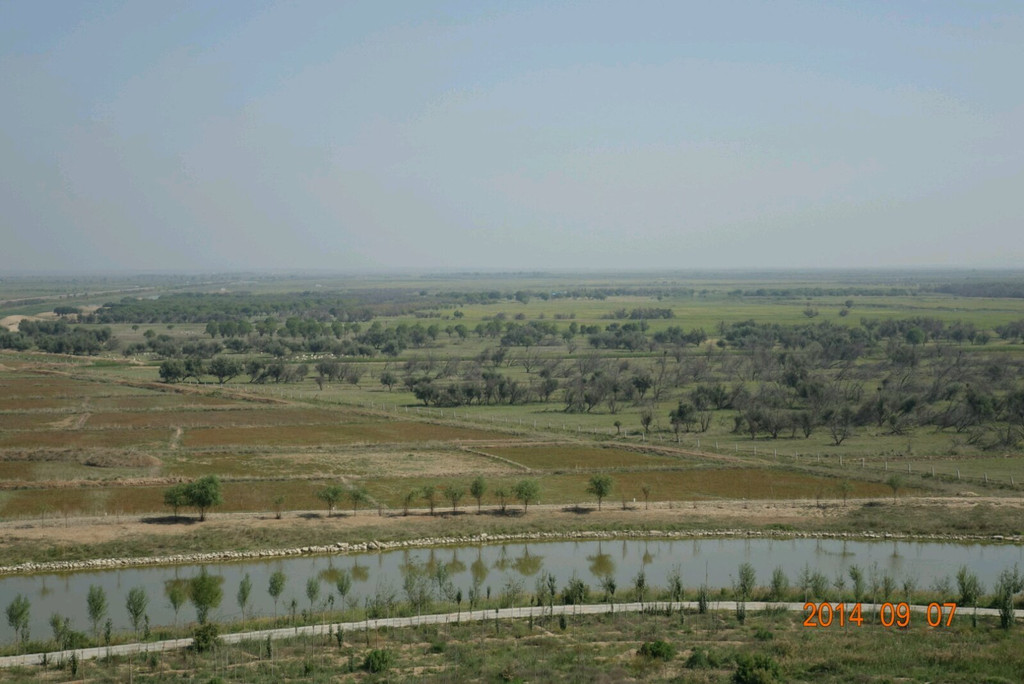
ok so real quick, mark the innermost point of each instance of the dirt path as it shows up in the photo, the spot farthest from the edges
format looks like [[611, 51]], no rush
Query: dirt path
[[733, 513]]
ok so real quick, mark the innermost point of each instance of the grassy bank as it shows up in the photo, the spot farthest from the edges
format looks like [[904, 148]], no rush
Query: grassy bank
[[931, 518], [768, 646]]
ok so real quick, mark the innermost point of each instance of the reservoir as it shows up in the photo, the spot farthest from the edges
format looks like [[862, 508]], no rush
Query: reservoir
[[495, 567]]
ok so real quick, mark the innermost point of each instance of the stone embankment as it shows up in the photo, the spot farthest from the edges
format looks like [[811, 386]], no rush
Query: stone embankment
[[482, 538]]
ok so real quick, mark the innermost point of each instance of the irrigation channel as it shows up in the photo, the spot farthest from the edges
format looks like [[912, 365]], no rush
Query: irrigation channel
[[492, 567]]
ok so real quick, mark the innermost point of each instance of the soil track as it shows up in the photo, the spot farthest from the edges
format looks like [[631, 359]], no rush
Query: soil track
[[727, 514]]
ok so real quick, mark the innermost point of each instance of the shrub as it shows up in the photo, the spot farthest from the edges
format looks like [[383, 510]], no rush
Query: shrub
[[379, 660], [756, 669], [205, 637], [779, 585], [657, 649], [702, 599], [576, 592], [703, 659]]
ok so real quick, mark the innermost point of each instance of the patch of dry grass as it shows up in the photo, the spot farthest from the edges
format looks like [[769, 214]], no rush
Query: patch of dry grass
[[84, 438], [307, 435], [567, 457], [235, 417]]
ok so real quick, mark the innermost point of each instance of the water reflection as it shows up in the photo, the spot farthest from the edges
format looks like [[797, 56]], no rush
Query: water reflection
[[502, 562], [528, 564], [479, 569], [360, 573], [601, 564], [886, 566]]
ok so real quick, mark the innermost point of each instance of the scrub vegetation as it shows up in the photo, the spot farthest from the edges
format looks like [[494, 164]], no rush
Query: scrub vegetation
[[458, 405]]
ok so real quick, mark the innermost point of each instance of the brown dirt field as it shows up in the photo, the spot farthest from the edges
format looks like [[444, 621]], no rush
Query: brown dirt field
[[692, 485], [85, 438], [238, 496], [341, 463], [52, 386], [24, 404], [235, 417], [373, 432], [737, 484], [687, 485], [157, 400], [560, 457], [32, 421]]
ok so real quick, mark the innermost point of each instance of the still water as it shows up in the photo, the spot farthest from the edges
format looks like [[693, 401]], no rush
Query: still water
[[712, 560]]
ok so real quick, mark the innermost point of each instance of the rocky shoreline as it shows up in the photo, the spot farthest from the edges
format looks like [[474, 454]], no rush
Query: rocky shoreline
[[477, 539]]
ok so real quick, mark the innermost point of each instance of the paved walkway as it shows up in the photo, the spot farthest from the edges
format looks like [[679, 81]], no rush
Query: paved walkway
[[869, 613]]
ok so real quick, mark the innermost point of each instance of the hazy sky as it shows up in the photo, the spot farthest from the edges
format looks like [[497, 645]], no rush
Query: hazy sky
[[510, 135]]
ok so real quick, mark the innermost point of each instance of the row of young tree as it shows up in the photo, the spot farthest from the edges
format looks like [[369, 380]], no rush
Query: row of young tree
[[65, 637], [526, 491], [426, 583], [204, 591]]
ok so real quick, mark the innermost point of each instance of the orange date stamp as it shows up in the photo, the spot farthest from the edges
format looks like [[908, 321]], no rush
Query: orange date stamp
[[889, 614]]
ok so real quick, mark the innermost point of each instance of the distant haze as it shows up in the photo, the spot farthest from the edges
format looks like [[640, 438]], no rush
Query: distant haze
[[510, 135]]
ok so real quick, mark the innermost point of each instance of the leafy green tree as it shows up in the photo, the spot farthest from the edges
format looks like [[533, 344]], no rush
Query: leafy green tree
[[357, 495], [640, 585], [968, 586], [172, 370], [176, 497], [1009, 584], [429, 493], [136, 604], [312, 592], [915, 336], [204, 493], [526, 491], [206, 593], [600, 486], [502, 494], [18, 612], [331, 495], [224, 369], [453, 494], [895, 482], [746, 579], [682, 418], [477, 489], [407, 500], [276, 587], [96, 603], [646, 418]]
